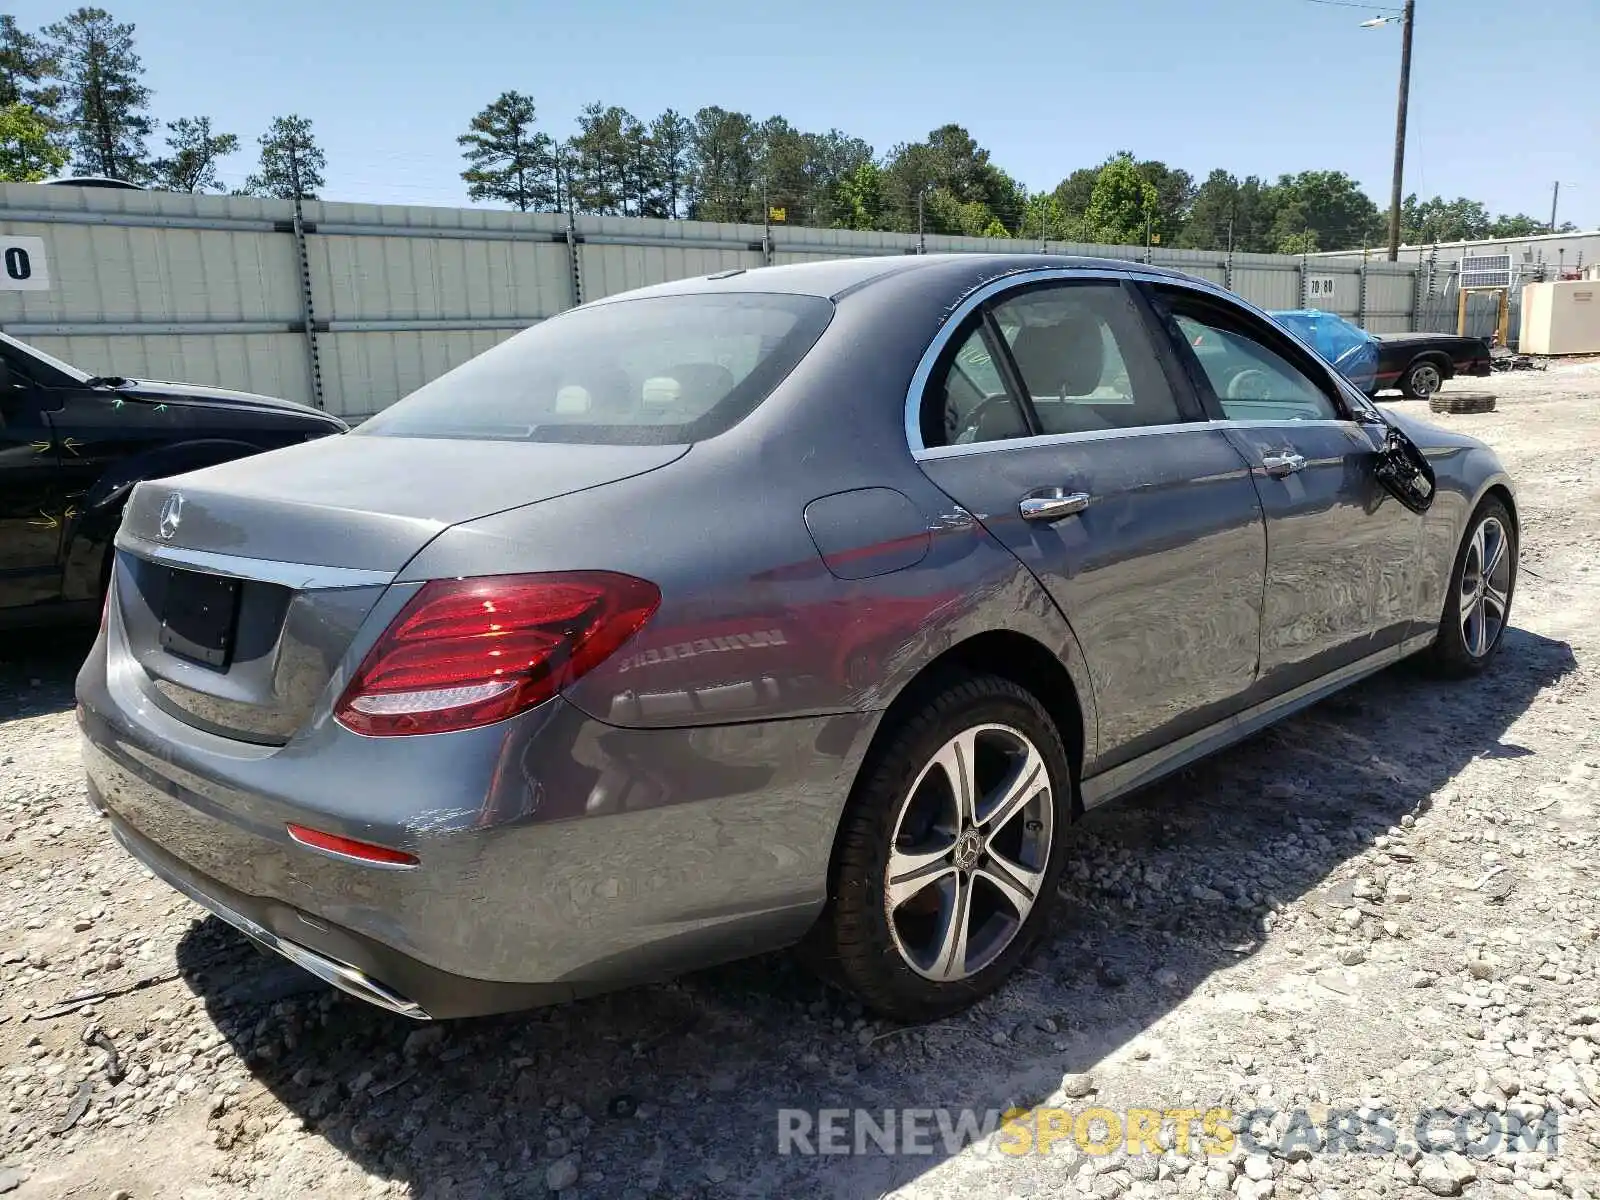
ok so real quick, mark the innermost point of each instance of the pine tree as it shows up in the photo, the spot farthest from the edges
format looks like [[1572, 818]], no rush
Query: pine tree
[[508, 159], [291, 161], [192, 165], [26, 70], [104, 102], [725, 179], [670, 144]]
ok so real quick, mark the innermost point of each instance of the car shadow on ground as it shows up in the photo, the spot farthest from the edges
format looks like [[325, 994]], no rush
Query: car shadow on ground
[[677, 1089], [38, 668]]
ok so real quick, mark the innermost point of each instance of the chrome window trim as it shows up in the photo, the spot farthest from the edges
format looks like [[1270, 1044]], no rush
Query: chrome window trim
[[1060, 439], [1136, 272], [1290, 422], [1099, 435], [304, 577]]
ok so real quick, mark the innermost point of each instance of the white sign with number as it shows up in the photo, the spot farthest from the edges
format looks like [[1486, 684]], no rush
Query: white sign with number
[[1319, 287], [23, 266]]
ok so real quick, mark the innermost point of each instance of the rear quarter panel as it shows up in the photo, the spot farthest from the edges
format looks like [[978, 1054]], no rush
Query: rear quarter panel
[[753, 625]]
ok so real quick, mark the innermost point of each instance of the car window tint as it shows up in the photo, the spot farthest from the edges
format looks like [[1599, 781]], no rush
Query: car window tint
[[1252, 381], [1086, 359], [667, 369], [969, 402]]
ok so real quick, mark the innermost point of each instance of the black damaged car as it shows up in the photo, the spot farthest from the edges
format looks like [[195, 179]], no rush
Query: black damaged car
[[73, 445]]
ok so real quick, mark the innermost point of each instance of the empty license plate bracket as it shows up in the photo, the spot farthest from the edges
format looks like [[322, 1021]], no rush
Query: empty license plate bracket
[[198, 616]]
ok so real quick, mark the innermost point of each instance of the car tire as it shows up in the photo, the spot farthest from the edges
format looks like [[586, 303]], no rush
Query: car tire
[[896, 945], [1421, 379], [1467, 643], [1461, 403]]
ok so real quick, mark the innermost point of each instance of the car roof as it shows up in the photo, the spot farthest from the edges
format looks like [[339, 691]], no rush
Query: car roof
[[834, 278], [101, 181]]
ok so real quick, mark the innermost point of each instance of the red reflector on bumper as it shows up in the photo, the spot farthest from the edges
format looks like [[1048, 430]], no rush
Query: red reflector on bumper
[[350, 848]]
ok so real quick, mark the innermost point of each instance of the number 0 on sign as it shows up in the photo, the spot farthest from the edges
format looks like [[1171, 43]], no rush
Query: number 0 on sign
[[23, 266]]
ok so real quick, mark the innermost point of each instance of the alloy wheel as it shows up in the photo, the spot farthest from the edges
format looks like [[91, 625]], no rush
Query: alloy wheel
[[1485, 587], [971, 844], [1426, 380]]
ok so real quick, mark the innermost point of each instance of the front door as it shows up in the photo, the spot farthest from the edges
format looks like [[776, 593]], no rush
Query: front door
[[1058, 420], [1341, 551], [31, 510]]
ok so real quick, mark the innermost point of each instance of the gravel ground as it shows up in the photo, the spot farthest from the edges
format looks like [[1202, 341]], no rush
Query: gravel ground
[[1388, 902]]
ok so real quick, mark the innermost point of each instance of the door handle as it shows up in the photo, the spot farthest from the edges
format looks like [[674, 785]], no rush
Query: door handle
[[1051, 504], [1279, 465]]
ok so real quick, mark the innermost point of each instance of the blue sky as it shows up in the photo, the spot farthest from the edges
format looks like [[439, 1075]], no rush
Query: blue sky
[[1255, 86]]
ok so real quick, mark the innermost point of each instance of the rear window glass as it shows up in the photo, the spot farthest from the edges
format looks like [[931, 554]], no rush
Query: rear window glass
[[667, 369]]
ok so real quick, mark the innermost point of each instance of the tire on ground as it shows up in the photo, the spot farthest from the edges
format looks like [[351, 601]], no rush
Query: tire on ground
[[1461, 402], [852, 943], [1449, 656]]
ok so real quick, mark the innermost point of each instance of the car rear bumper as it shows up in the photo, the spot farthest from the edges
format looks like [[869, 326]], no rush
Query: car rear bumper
[[559, 856], [364, 968]]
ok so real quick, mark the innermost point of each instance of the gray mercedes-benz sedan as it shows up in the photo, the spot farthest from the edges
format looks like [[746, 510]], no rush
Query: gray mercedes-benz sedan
[[797, 605]]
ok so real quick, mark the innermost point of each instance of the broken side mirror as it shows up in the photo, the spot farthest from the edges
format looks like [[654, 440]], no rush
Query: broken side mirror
[[1405, 471]]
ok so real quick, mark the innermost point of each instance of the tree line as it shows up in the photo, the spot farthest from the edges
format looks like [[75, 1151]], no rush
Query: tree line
[[720, 165], [74, 92]]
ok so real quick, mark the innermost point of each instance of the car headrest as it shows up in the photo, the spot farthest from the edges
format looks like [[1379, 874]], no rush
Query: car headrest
[[595, 391], [702, 383], [1063, 359]]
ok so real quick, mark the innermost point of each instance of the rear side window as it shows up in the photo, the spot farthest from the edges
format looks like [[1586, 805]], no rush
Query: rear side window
[[1084, 355], [662, 370], [971, 403]]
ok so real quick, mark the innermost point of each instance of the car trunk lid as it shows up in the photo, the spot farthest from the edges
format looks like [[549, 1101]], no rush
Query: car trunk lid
[[240, 589]]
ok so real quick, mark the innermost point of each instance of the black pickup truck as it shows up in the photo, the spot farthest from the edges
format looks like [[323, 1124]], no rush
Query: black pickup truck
[[1419, 363], [71, 448]]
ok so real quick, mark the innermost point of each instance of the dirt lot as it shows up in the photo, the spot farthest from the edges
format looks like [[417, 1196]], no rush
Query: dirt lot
[[1388, 901]]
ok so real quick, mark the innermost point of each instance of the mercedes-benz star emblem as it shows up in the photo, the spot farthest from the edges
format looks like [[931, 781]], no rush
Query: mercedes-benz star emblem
[[171, 515], [969, 849]]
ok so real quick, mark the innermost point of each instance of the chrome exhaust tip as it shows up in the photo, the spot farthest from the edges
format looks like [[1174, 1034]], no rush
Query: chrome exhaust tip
[[346, 978]]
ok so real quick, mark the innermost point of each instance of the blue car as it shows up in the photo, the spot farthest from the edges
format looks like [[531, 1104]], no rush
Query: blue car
[[1351, 349]]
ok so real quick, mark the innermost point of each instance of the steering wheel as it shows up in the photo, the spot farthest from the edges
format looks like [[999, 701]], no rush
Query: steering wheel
[[1249, 384], [974, 420]]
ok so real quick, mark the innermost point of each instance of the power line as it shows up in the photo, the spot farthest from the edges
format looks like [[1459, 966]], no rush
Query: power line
[[1353, 4]]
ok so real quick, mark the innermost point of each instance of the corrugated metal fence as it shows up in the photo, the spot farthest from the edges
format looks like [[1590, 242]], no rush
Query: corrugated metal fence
[[368, 302]]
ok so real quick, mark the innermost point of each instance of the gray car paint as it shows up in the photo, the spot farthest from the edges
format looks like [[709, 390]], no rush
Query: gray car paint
[[677, 805]]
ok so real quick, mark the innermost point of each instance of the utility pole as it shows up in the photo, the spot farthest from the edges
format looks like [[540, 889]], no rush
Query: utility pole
[[1407, 24], [1554, 196], [922, 244]]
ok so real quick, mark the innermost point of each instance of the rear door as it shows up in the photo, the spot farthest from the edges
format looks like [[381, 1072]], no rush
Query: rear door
[[1341, 551], [1055, 417]]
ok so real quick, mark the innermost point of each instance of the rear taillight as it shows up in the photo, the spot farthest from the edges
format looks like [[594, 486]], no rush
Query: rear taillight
[[468, 652]]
